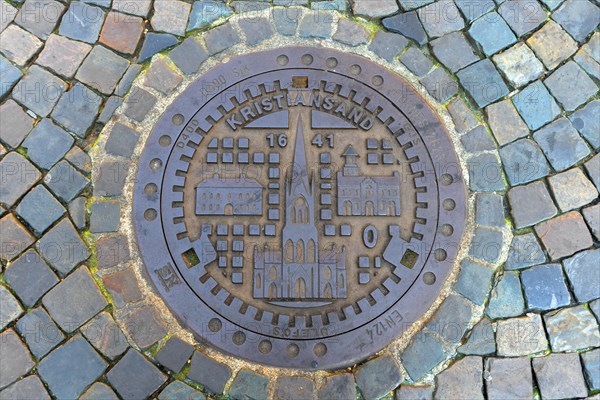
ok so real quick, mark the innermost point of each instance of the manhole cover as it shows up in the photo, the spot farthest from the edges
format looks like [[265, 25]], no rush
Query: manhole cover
[[299, 207]]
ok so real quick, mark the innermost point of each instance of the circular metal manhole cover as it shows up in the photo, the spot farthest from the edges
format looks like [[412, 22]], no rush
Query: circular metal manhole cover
[[299, 207]]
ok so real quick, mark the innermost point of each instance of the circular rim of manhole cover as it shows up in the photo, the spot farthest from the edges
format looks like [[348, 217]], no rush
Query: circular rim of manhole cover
[[365, 313]]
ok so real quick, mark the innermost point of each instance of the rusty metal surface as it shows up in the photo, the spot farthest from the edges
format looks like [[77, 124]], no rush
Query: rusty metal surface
[[299, 207]]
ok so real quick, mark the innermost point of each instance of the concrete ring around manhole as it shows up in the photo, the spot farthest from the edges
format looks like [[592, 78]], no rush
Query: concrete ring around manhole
[[298, 207]]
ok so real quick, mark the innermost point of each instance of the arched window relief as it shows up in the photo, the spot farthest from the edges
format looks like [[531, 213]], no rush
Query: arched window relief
[[289, 252], [311, 253], [300, 252]]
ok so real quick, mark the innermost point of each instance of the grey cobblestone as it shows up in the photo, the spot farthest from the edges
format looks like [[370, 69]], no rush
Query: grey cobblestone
[[122, 140], [572, 189], [552, 45], [483, 82], [105, 335], [63, 55], [350, 33], [520, 199], [8, 14], [155, 43], [592, 217], [454, 51], [388, 45], [286, 20], [378, 377], [162, 77], [138, 105], [374, 9], [416, 61], [585, 121], [15, 238], [481, 340], [489, 210], [102, 70], [591, 367], [133, 7], [440, 18], [508, 378], [571, 86], [74, 301], [15, 124], [189, 56], [221, 38], [415, 393], [545, 287], [486, 173], [478, 140], [65, 378], [18, 45], [77, 212], [505, 122], [111, 178], [564, 235], [592, 167], [535, 105], [212, 374], [11, 308], [519, 65], [561, 144], [452, 319], [487, 245], [29, 387], [463, 118], [18, 276], [579, 18], [572, 329], [440, 85], [170, 16], [523, 16], [112, 250], [175, 354], [47, 144], [134, 377], [338, 387], [65, 181], [462, 380], [82, 22], [40, 17], [39, 331], [39, 90], [407, 24], [10, 76], [144, 327], [316, 24], [492, 33], [205, 13], [99, 391], [294, 388], [521, 336], [474, 282], [248, 384], [579, 269], [564, 368], [524, 251], [178, 390], [422, 355], [506, 299], [77, 109], [15, 361]]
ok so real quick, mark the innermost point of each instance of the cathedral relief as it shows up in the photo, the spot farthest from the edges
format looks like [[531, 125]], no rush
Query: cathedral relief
[[307, 232], [310, 206], [300, 269]]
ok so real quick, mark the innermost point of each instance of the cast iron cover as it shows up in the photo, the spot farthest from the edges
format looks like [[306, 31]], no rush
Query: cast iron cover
[[299, 207]]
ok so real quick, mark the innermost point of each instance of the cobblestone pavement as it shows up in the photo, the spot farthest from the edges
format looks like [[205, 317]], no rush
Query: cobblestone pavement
[[519, 78]]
